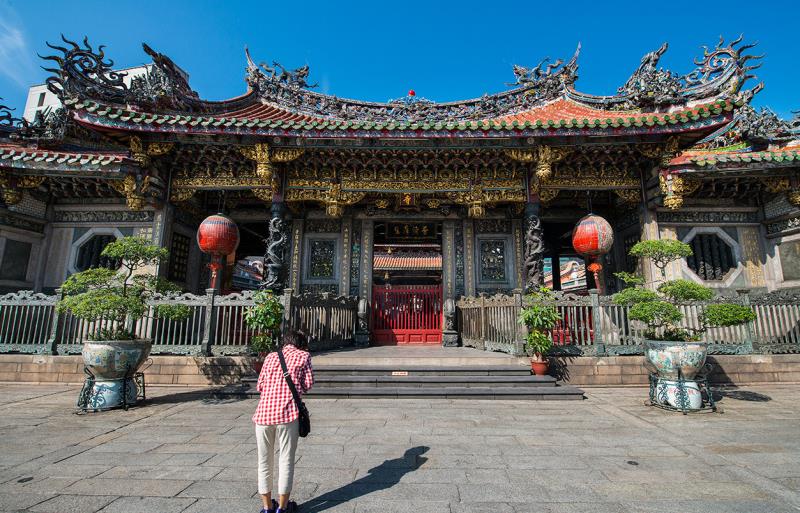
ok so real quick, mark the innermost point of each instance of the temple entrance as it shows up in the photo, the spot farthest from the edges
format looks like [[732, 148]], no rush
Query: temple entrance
[[407, 283]]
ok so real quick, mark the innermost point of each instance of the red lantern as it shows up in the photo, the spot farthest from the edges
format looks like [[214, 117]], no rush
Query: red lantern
[[218, 236], [593, 237], [412, 92]]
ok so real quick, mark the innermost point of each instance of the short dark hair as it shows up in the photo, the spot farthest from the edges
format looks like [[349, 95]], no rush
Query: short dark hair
[[298, 339]]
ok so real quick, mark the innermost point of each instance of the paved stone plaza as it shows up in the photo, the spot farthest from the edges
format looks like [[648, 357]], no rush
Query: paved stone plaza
[[187, 453]]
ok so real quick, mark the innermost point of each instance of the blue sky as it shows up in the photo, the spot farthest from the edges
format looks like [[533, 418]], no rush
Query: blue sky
[[379, 50]]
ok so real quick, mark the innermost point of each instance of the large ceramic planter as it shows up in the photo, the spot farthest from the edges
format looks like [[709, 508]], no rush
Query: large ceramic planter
[[672, 362], [113, 363], [669, 359]]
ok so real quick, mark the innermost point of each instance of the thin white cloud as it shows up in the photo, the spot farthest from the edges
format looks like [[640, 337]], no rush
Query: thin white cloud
[[16, 57]]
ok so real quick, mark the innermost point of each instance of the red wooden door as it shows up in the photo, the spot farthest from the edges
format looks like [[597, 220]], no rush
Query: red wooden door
[[406, 315]]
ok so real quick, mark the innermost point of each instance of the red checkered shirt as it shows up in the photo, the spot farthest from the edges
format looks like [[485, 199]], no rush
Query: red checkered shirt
[[276, 405]]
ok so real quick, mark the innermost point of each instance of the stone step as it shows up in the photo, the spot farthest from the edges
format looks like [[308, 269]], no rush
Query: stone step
[[423, 370], [339, 381], [520, 393]]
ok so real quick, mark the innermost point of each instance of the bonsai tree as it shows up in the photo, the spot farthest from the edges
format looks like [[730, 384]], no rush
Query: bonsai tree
[[657, 309], [540, 315], [265, 317], [120, 295]]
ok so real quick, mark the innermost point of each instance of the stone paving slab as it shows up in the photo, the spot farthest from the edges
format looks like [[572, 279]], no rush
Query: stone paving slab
[[187, 452]]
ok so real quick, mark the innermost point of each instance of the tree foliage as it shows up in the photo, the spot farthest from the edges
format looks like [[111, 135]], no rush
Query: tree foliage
[[119, 296], [658, 309], [661, 252]]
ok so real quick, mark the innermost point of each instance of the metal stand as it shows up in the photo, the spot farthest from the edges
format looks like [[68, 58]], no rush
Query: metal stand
[[659, 398], [88, 386]]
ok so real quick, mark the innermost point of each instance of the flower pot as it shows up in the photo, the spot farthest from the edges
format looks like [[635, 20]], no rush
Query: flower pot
[[113, 364], [666, 359], [257, 362], [540, 367]]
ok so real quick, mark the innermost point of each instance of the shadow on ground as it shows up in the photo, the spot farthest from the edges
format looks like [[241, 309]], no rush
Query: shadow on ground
[[382, 477], [740, 395], [205, 396]]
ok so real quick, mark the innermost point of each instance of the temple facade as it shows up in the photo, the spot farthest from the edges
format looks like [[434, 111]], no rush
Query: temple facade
[[407, 202]]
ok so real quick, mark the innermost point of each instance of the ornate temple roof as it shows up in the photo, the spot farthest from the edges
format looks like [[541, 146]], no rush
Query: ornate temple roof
[[543, 101]]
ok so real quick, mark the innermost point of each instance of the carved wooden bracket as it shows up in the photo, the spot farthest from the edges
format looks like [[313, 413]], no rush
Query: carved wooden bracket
[[133, 190], [143, 154], [629, 195], [12, 186], [663, 153], [544, 156], [675, 188], [334, 199], [265, 158], [181, 195]]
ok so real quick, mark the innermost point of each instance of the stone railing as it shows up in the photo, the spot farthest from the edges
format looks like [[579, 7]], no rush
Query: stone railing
[[593, 325], [215, 326]]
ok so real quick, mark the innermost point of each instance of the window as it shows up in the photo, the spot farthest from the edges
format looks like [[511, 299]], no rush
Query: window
[[493, 261], [790, 260], [89, 254], [15, 260], [712, 258], [179, 257], [41, 99], [322, 259]]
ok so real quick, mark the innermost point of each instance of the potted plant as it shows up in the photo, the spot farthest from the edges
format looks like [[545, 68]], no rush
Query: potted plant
[[673, 349], [540, 316], [265, 318], [113, 301]]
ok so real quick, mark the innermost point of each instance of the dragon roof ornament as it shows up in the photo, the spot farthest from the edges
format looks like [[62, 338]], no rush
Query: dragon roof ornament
[[83, 72]]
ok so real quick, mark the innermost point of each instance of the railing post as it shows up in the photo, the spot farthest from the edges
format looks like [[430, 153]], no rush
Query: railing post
[[744, 295], [327, 328], [597, 323], [57, 329], [484, 318], [521, 329], [286, 324], [210, 325]]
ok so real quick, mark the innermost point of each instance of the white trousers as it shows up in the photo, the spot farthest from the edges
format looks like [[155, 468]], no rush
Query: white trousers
[[285, 436]]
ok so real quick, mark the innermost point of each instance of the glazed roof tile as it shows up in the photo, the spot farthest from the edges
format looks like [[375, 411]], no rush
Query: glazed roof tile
[[397, 262], [724, 157], [12, 155]]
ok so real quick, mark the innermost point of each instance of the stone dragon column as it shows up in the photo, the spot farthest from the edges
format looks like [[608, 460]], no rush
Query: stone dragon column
[[534, 246]]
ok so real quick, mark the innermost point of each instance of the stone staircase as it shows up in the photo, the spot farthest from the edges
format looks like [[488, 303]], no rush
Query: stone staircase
[[406, 373]]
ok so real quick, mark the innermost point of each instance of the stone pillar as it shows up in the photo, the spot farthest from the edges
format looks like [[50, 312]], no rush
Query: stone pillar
[[275, 257], [469, 258], [448, 259], [367, 239], [449, 333], [344, 281], [650, 231], [534, 247], [519, 255], [297, 253]]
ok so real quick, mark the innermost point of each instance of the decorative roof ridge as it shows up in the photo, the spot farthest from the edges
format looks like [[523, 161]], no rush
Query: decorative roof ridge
[[83, 72]]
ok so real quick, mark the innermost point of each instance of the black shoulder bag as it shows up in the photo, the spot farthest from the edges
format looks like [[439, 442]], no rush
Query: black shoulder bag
[[304, 420]]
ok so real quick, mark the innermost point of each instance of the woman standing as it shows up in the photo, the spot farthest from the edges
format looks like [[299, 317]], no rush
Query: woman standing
[[276, 418]]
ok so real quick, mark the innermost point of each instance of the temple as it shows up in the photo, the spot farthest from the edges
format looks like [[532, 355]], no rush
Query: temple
[[408, 202]]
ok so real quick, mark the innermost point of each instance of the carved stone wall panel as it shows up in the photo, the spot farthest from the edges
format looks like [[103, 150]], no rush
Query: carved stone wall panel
[[103, 216], [706, 217], [748, 238], [355, 257], [459, 259]]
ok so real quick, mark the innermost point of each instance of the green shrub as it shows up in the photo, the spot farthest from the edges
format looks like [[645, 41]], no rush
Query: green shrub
[[685, 290], [265, 316], [539, 315], [120, 296], [726, 314], [661, 252]]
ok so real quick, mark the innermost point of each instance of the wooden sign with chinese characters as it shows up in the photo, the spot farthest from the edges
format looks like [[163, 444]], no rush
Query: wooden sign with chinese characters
[[409, 231]]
